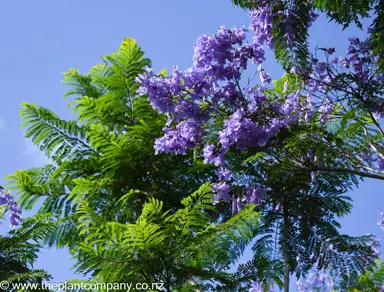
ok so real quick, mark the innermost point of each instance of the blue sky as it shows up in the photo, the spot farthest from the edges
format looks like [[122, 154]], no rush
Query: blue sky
[[42, 39]]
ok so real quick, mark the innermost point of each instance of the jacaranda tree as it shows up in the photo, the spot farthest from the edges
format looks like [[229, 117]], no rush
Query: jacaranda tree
[[294, 128]]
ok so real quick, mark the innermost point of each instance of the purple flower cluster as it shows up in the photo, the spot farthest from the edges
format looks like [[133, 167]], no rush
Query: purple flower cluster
[[211, 88], [294, 108], [186, 135], [373, 159], [251, 194], [316, 281], [254, 194], [325, 111], [221, 191], [261, 24], [241, 132], [329, 280], [223, 54], [11, 206], [340, 75], [256, 287], [354, 78]]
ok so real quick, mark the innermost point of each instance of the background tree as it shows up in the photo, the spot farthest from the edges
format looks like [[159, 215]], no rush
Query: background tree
[[105, 154], [184, 250], [20, 247]]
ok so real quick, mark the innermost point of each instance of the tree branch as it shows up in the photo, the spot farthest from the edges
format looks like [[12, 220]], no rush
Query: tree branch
[[349, 170]]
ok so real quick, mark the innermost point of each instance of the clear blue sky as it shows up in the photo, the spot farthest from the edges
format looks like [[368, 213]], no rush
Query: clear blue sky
[[42, 39]]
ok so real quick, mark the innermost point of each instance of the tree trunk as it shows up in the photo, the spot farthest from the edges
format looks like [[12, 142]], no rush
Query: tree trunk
[[285, 250]]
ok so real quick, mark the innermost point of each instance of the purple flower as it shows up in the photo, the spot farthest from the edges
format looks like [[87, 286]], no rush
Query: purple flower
[[325, 111], [219, 159], [216, 55], [312, 17], [221, 191], [366, 157], [291, 103], [321, 67], [335, 60], [185, 136], [261, 25], [351, 50], [330, 51], [3, 200], [234, 207], [255, 97], [380, 162], [258, 54], [234, 129], [208, 153], [224, 173], [264, 77], [354, 40], [254, 195], [294, 70], [380, 223], [256, 287], [313, 176], [15, 213], [159, 90], [316, 281]]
